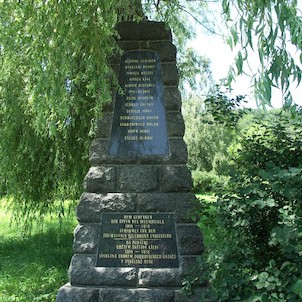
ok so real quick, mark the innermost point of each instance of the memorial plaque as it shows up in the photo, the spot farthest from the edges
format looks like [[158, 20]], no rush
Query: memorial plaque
[[137, 240], [139, 120]]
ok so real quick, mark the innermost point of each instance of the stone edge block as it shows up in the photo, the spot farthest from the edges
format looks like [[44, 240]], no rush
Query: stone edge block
[[183, 205], [175, 124], [190, 239], [189, 265], [146, 30], [172, 98], [83, 272], [170, 74], [101, 179], [169, 277], [179, 152], [136, 178], [104, 125], [86, 238], [176, 179], [92, 205], [165, 49], [135, 295], [68, 293]]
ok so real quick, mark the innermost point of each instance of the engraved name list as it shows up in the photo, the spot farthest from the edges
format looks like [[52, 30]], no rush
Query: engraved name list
[[139, 125]]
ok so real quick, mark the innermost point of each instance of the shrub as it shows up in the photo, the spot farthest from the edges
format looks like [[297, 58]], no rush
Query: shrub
[[221, 164], [208, 181], [257, 227]]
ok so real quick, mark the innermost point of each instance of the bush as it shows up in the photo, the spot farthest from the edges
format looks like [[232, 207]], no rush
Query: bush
[[204, 182], [257, 227], [221, 164]]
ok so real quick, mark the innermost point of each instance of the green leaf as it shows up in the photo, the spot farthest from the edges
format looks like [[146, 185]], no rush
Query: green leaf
[[270, 202], [234, 36], [229, 42], [239, 63], [297, 287], [267, 87], [263, 276]]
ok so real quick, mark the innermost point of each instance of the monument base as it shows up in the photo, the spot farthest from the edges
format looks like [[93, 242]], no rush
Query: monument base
[[68, 293]]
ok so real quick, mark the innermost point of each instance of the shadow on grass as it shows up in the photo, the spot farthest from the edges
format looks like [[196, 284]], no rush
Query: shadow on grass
[[33, 268]]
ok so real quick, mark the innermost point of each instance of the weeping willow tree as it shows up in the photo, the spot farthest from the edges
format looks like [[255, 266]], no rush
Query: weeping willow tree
[[55, 78]]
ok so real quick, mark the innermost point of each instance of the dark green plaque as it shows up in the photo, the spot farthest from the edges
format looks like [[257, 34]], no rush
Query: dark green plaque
[[137, 240], [139, 120]]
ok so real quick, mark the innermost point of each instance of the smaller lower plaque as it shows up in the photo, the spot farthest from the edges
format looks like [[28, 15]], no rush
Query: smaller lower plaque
[[137, 240]]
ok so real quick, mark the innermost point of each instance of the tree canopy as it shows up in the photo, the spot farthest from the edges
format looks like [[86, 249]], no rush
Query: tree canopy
[[55, 77]]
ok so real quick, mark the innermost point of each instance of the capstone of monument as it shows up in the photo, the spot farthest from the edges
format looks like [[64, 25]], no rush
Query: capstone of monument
[[136, 240]]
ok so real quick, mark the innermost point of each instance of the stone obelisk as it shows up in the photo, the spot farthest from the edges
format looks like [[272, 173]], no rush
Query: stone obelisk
[[135, 240]]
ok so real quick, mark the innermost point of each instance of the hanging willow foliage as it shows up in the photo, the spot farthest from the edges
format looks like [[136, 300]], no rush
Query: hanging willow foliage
[[55, 78], [273, 29]]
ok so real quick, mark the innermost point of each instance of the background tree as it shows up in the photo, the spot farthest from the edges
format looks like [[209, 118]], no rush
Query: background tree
[[212, 124], [204, 137]]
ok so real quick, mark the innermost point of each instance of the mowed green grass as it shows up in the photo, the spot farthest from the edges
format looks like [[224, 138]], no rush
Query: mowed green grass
[[33, 267]]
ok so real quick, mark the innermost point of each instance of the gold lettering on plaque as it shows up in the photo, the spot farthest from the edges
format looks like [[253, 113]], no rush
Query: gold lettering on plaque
[[134, 240], [138, 93]]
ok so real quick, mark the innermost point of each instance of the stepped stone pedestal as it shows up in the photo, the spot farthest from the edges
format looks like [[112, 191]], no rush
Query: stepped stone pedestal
[[135, 240]]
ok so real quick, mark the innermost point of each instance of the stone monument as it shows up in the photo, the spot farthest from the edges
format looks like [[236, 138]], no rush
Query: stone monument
[[135, 240]]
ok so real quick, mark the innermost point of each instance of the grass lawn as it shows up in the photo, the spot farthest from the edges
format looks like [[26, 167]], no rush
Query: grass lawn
[[33, 267]]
